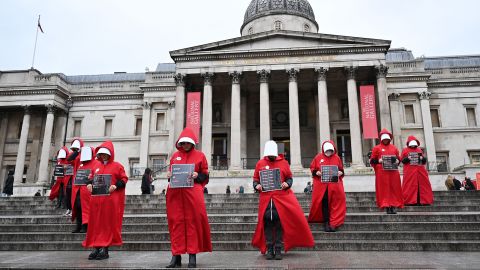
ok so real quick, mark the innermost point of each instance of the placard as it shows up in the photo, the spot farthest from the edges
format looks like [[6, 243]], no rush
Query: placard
[[414, 158], [101, 185], [59, 171], [182, 176], [389, 163], [270, 180], [329, 173], [81, 178], [68, 170]]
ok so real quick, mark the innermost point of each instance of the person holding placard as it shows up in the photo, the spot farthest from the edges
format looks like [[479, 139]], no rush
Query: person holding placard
[[80, 193], [384, 160], [58, 190], [73, 161], [186, 211], [281, 221], [328, 198], [107, 183], [416, 186]]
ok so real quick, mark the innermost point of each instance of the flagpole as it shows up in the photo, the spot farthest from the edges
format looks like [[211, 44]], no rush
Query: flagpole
[[35, 47]]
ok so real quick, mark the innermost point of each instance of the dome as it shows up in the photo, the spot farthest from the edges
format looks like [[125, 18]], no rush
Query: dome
[[261, 8]]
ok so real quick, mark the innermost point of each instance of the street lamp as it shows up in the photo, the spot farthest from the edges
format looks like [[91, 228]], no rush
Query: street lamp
[[68, 104]]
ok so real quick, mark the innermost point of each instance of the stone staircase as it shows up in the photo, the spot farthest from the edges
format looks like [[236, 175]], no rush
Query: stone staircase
[[451, 224]]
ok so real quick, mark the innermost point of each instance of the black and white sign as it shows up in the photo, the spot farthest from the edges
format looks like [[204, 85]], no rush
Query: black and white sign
[[101, 184], [414, 158], [81, 178], [270, 180], [329, 173], [182, 176], [389, 163], [59, 171], [68, 170]]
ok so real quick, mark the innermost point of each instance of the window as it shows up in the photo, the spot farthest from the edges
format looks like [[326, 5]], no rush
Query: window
[[278, 25], [138, 126], [158, 164], [409, 114], [442, 162], [471, 117], [160, 121], [474, 157], [435, 117], [135, 170], [108, 128], [250, 31], [306, 28], [217, 113], [77, 128]]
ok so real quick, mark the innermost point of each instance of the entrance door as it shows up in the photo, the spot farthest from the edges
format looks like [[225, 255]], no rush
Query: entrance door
[[344, 146], [283, 147], [219, 152]]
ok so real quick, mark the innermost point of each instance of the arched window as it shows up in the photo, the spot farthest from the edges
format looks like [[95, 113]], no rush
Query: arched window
[[278, 25], [306, 28], [250, 31]]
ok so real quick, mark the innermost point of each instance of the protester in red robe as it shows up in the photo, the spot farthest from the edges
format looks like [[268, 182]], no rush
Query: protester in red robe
[[80, 193], [416, 186], [57, 190], [73, 160], [281, 220], [186, 212], [106, 212], [328, 198], [387, 182]]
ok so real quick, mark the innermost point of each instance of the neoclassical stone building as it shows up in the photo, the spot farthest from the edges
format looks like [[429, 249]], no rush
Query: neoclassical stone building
[[279, 80]]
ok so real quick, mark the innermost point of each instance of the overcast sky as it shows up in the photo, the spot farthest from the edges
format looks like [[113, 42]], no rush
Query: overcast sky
[[99, 36]]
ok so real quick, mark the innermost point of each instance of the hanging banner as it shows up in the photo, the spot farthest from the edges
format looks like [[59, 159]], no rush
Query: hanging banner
[[478, 180], [369, 112], [193, 112]]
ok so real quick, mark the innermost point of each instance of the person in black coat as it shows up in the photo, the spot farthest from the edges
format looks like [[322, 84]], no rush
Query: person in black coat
[[147, 182], [8, 188]]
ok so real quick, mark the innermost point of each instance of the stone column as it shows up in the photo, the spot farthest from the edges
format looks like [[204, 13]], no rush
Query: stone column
[[171, 128], [43, 171], [354, 118], [244, 127], [323, 115], [207, 116], [384, 106], [179, 104], [3, 138], [294, 117], [145, 137], [264, 75], [22, 147], [427, 128], [396, 124], [235, 123]]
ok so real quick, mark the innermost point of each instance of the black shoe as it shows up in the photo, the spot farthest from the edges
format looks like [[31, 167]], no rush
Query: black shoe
[[278, 253], [393, 211], [94, 254], [329, 228], [192, 261], [84, 228], [270, 254], [103, 254], [175, 262]]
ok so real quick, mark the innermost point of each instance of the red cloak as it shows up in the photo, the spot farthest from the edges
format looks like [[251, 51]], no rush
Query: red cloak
[[186, 212], [84, 193], [415, 178], [296, 232], [75, 163], [336, 194], [388, 185], [106, 212], [54, 192]]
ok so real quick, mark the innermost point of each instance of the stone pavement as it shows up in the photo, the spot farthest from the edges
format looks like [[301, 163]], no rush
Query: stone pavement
[[245, 260]]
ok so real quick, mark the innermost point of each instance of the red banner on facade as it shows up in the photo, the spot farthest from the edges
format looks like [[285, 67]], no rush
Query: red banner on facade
[[369, 112], [193, 112], [478, 181]]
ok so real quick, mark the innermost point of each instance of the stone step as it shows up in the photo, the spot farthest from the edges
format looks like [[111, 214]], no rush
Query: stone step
[[324, 245], [349, 226], [235, 236], [249, 218]]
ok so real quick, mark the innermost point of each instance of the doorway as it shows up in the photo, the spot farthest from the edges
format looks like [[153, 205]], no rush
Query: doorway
[[344, 147]]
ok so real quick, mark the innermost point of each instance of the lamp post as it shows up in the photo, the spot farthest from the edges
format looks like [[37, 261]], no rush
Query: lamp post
[[68, 104]]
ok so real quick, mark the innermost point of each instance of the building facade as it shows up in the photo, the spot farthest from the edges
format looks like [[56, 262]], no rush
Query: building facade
[[279, 80]]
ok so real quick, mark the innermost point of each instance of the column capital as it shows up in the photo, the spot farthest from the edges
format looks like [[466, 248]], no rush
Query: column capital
[[51, 108], [293, 74], [263, 75], [236, 76], [171, 104], [350, 72], [27, 109], [381, 71], [147, 105], [322, 73], [208, 78], [424, 95], [394, 96], [180, 79]]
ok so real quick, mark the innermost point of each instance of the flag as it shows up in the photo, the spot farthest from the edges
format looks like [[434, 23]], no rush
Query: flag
[[39, 25]]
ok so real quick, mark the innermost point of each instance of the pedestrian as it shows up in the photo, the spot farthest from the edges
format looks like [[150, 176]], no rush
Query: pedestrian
[[147, 182], [58, 189], [8, 187], [228, 191], [308, 188]]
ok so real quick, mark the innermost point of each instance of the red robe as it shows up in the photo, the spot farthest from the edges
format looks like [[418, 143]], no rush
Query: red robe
[[296, 232], [388, 186], [415, 178], [84, 193], [75, 163], [106, 212], [54, 192], [186, 211], [336, 194]]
